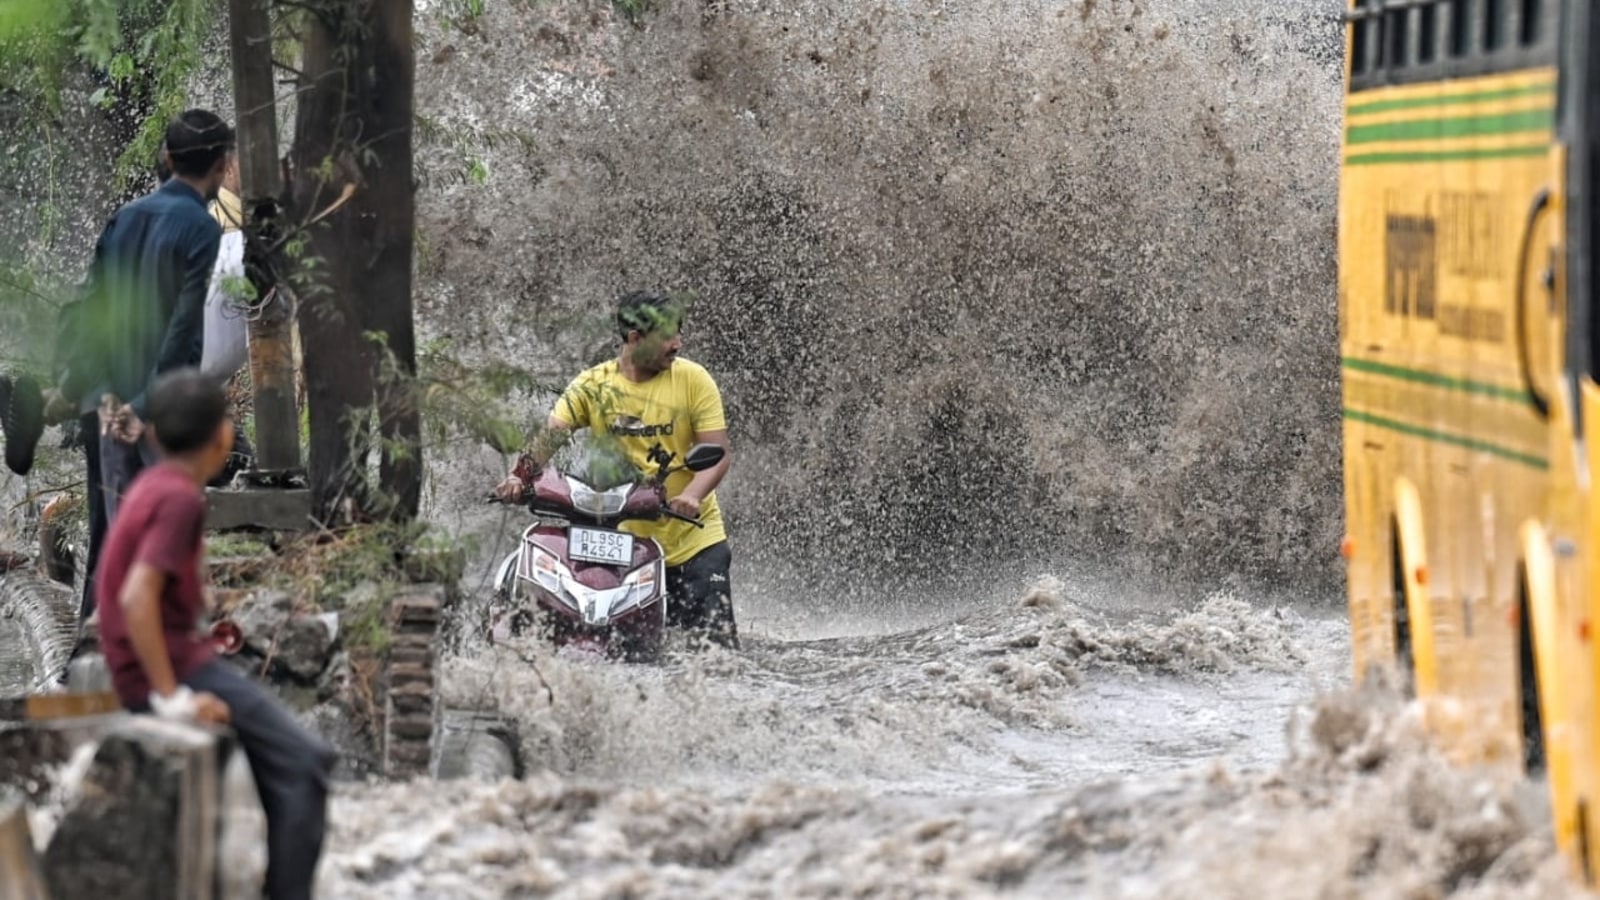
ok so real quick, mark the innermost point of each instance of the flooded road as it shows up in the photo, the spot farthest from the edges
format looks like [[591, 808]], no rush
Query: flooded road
[[1032, 748], [977, 280]]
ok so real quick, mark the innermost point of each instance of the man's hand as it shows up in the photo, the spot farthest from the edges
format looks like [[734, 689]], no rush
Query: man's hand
[[183, 705], [211, 709], [685, 505], [126, 426], [118, 420], [510, 490]]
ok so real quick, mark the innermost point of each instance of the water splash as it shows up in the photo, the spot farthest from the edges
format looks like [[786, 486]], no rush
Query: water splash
[[1021, 280]]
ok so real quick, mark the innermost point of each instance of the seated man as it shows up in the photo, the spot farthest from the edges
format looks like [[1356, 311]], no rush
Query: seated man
[[150, 599]]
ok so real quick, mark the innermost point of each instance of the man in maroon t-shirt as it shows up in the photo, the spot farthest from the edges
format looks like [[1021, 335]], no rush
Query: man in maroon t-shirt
[[157, 555], [150, 600]]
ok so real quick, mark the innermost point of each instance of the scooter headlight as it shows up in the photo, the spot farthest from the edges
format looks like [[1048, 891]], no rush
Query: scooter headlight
[[542, 568], [597, 503], [642, 584]]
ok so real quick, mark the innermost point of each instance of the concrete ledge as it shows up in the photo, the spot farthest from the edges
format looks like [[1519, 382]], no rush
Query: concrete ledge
[[263, 509]]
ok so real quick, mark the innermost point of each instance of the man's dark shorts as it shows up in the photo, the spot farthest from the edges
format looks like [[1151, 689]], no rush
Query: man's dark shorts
[[700, 597]]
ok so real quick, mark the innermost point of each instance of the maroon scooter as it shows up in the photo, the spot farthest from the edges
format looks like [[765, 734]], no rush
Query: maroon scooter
[[576, 576]]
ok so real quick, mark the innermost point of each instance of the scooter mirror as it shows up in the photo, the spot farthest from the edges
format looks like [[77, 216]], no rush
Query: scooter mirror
[[703, 456]]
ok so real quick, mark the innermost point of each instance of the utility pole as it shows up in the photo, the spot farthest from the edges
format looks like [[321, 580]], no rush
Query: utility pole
[[271, 351], [272, 382]]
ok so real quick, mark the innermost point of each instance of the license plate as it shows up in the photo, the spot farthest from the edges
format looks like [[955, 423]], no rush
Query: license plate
[[598, 546]]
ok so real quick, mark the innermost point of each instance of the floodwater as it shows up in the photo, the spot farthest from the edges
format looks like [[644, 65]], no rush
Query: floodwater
[[1047, 282], [1030, 747]]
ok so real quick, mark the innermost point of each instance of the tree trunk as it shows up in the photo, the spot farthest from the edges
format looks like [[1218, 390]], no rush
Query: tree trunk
[[391, 115], [354, 128]]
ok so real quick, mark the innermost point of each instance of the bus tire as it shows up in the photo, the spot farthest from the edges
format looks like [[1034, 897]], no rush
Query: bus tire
[[1533, 753], [1405, 657]]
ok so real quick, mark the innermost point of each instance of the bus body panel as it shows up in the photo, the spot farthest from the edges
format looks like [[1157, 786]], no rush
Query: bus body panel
[[1433, 191], [1465, 401]]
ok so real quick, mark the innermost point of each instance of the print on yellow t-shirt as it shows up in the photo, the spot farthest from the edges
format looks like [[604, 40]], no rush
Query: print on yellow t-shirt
[[669, 410]]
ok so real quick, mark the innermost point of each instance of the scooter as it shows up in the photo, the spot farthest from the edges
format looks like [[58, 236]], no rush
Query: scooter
[[575, 575]]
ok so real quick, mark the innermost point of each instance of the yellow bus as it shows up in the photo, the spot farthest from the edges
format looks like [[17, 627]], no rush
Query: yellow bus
[[1469, 343]]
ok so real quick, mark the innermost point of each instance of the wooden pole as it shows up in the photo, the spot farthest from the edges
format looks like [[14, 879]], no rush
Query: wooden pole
[[277, 437]]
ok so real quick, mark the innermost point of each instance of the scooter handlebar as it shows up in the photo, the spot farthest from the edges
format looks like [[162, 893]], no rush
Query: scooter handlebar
[[671, 513]]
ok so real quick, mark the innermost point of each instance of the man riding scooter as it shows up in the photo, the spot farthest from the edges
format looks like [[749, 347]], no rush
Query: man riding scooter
[[649, 399]]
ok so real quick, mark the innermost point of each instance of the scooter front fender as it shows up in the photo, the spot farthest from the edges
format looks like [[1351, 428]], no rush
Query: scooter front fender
[[506, 574]]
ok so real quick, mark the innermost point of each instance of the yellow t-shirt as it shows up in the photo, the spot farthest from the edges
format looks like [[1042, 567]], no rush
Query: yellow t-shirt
[[669, 409]]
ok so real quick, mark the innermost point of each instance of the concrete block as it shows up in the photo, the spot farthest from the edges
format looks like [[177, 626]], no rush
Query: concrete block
[[144, 824], [20, 875], [30, 750]]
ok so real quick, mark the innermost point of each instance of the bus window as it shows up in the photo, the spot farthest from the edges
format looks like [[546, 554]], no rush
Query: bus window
[[1427, 35], [1396, 34], [1361, 56], [1528, 31], [1494, 25], [1460, 29]]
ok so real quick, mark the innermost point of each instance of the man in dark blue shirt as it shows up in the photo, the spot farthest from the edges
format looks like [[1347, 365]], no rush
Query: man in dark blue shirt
[[142, 313]]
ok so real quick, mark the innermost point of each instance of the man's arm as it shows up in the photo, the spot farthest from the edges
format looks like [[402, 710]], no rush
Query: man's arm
[[697, 490], [557, 432], [710, 427], [546, 444], [141, 608], [182, 345]]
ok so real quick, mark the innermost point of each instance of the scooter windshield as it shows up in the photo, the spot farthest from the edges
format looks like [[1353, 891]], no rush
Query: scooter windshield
[[602, 465]]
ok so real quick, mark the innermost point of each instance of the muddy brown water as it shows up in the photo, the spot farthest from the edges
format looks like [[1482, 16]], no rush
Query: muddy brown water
[[1043, 282], [1031, 747]]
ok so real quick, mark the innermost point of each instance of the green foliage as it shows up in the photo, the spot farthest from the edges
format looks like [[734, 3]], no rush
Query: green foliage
[[465, 150], [463, 15], [461, 402], [633, 10], [23, 17], [239, 289], [229, 546], [34, 45], [354, 572], [28, 304], [143, 50]]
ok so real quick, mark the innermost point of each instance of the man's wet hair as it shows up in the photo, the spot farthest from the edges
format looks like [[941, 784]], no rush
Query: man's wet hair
[[185, 409], [196, 140], [647, 311]]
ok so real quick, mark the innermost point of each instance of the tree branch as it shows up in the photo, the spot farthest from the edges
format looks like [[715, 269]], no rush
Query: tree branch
[[277, 64], [320, 12]]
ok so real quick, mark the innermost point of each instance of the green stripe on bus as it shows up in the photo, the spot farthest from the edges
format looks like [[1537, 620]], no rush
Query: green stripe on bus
[[1454, 440], [1434, 379], [1458, 127], [1383, 106], [1425, 156]]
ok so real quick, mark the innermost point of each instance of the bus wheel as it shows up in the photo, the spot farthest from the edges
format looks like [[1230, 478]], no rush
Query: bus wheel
[[1533, 761], [1404, 656]]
